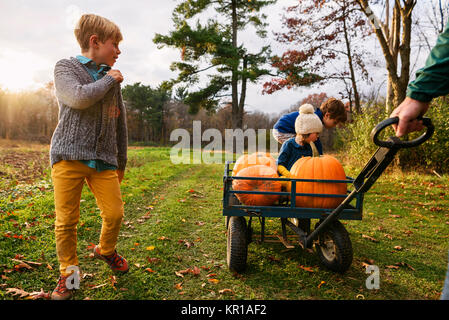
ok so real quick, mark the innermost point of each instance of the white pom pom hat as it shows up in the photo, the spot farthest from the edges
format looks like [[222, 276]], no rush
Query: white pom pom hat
[[307, 121]]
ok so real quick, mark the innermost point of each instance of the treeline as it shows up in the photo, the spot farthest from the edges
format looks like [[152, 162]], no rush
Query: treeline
[[152, 114]]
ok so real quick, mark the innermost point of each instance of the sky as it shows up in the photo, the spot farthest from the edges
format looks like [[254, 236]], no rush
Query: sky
[[34, 35]]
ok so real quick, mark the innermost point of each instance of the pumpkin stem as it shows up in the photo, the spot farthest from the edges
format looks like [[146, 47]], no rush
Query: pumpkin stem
[[315, 152]]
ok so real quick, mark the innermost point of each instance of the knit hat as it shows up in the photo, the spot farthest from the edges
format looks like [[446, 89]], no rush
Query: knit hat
[[307, 121]]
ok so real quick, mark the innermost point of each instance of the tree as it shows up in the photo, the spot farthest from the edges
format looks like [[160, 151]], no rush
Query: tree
[[328, 35], [394, 36], [227, 62], [146, 111]]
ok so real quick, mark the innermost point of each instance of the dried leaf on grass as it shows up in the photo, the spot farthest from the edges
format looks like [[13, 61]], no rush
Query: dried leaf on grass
[[226, 291], [28, 295], [400, 264], [195, 271], [309, 269], [369, 238]]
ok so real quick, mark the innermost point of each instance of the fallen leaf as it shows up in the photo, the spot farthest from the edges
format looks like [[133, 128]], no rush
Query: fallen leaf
[[321, 283], [178, 286], [196, 271], [40, 295], [21, 266], [150, 270], [153, 260], [399, 248], [309, 269], [403, 264], [150, 248], [113, 280], [226, 291], [213, 281], [16, 292], [369, 238], [187, 243], [179, 274], [392, 267]]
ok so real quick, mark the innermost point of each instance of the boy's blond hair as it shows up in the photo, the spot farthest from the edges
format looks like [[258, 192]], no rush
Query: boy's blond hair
[[90, 24]]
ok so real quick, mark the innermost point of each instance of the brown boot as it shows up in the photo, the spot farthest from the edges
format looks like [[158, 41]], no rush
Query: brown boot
[[61, 292]]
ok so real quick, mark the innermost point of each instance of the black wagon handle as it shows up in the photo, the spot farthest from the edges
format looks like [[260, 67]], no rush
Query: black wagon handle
[[396, 142]]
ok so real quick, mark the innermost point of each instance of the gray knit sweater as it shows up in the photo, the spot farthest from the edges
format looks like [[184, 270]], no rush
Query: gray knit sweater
[[92, 117]]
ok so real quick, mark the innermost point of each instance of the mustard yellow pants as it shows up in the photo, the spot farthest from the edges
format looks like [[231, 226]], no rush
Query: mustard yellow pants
[[68, 180]]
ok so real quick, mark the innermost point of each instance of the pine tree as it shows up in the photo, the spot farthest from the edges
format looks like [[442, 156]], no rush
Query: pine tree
[[212, 48]]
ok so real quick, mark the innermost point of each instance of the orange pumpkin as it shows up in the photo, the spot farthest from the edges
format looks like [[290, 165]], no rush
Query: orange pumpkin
[[261, 171], [256, 158], [320, 168]]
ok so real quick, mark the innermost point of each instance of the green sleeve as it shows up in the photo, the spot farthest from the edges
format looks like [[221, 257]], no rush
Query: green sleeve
[[433, 79]]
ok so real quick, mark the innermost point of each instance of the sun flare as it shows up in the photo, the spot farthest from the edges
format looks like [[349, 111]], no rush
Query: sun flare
[[20, 70]]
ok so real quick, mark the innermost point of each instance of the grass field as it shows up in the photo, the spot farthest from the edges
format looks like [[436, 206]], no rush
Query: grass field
[[174, 237]]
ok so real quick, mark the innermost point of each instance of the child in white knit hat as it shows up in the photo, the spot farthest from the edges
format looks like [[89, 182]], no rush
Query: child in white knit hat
[[308, 127]]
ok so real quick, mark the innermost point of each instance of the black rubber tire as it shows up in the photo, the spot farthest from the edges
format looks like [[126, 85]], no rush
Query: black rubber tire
[[237, 244], [334, 247]]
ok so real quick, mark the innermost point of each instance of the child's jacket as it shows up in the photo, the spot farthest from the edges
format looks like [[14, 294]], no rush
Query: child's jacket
[[291, 152], [92, 117]]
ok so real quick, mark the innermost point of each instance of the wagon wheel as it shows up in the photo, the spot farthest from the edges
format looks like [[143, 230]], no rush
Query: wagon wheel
[[334, 247], [237, 244]]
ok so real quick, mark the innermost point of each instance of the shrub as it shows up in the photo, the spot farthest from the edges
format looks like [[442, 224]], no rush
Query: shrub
[[354, 140]]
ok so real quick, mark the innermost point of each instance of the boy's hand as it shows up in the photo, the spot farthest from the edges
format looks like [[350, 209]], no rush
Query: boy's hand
[[116, 74], [121, 174]]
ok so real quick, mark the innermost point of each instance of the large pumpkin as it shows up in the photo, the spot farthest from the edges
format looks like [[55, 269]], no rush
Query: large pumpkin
[[261, 171], [318, 168], [254, 159]]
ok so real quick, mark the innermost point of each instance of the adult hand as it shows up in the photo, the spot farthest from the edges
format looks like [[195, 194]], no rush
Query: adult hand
[[408, 111], [116, 74]]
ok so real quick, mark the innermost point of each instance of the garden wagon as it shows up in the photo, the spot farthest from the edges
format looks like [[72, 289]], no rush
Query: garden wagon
[[331, 239]]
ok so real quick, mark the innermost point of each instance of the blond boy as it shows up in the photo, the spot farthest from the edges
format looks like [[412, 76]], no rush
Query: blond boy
[[89, 144]]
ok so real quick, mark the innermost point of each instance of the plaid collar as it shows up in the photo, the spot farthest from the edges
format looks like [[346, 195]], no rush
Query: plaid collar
[[89, 63]]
